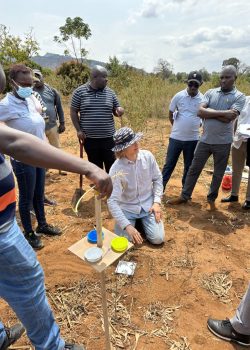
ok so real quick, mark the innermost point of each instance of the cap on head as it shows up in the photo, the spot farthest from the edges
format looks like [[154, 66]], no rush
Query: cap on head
[[125, 137], [195, 76], [37, 72]]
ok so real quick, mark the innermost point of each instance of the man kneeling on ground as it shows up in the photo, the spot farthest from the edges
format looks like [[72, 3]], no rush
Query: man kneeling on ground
[[137, 189]]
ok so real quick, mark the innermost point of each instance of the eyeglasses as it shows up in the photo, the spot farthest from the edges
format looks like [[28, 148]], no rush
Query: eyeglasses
[[192, 83]]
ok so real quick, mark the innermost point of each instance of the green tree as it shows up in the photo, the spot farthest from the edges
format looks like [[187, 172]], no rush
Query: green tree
[[114, 67], [205, 74], [181, 76], [72, 35], [164, 69], [73, 74], [232, 61], [242, 68], [14, 49]]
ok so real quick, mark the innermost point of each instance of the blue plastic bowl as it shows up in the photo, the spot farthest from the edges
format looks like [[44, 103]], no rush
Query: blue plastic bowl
[[92, 236]]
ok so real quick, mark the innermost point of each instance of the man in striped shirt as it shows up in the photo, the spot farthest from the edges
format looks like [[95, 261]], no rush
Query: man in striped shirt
[[93, 106]]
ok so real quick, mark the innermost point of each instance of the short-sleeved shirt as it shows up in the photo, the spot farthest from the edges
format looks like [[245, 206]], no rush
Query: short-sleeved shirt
[[96, 109], [186, 122], [215, 131], [22, 115]]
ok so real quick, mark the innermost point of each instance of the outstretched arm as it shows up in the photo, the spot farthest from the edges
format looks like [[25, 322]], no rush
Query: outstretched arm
[[31, 150]]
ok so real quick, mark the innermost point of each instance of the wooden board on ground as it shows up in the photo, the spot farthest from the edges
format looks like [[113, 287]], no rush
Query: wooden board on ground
[[109, 256]]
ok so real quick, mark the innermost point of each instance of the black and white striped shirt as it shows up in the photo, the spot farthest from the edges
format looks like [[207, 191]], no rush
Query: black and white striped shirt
[[96, 109]]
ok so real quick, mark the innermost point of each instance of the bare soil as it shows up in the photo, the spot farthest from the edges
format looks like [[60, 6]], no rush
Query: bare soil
[[165, 304]]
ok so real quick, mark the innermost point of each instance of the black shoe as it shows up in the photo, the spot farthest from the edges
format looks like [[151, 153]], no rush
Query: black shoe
[[224, 330], [49, 202], [229, 199], [49, 230], [12, 335], [246, 205], [69, 346], [34, 241]]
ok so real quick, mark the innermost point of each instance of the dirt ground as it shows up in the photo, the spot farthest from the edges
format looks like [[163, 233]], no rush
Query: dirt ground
[[165, 305]]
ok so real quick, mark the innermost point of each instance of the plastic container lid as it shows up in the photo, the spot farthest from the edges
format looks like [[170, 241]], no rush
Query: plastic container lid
[[93, 254], [119, 244], [92, 236]]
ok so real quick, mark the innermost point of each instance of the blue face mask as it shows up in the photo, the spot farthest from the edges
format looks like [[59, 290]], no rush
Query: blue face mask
[[24, 92]]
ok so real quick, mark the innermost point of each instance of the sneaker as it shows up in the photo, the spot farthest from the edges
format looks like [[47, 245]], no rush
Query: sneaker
[[49, 202], [49, 230], [34, 240], [224, 330], [69, 346], [12, 335], [230, 199]]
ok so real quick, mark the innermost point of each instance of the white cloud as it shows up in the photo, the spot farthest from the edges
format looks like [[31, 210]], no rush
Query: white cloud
[[219, 37], [153, 9]]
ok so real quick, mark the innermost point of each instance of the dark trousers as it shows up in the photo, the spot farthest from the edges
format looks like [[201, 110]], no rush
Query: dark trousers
[[203, 151], [31, 181], [99, 151], [175, 147]]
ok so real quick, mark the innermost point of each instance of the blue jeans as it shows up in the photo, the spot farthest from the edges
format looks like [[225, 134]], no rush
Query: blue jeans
[[175, 147], [154, 231], [31, 182], [22, 286]]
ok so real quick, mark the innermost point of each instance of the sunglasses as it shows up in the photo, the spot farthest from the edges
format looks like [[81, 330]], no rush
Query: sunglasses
[[192, 83]]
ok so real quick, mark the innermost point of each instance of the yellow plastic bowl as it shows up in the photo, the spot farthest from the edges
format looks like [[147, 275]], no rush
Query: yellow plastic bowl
[[119, 244]]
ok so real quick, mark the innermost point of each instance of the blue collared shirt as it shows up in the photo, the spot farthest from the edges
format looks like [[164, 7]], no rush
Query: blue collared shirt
[[136, 185], [215, 131]]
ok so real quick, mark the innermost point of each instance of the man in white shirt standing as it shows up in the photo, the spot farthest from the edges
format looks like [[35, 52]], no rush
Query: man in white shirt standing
[[240, 154], [184, 136], [137, 189]]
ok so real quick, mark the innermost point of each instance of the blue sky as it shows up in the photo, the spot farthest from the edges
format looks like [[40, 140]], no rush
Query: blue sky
[[190, 34]]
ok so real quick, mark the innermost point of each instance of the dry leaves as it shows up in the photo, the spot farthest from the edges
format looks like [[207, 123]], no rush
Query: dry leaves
[[219, 285]]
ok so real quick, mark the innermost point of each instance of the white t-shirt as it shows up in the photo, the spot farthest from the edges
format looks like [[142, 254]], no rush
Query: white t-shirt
[[186, 122]]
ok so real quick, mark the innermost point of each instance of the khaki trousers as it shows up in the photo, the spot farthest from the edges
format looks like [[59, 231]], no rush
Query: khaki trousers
[[53, 136], [238, 162]]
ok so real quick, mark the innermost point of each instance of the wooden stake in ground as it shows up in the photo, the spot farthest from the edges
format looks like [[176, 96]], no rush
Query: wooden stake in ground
[[109, 257], [102, 274]]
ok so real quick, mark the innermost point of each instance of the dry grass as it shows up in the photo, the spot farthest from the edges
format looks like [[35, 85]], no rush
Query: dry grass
[[158, 312], [185, 262], [181, 344], [219, 284]]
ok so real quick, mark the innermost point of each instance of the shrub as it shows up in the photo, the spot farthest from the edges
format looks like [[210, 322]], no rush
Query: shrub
[[73, 75]]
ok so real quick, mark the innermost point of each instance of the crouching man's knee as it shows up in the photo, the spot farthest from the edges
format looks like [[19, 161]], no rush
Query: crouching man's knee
[[157, 240]]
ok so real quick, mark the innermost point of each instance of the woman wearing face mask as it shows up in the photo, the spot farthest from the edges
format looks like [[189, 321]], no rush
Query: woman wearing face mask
[[21, 110]]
